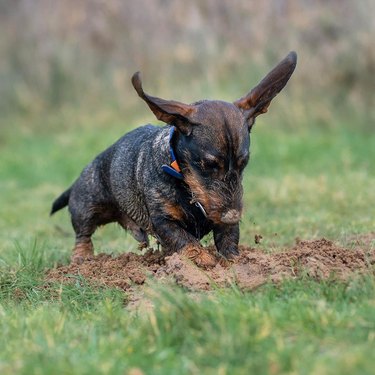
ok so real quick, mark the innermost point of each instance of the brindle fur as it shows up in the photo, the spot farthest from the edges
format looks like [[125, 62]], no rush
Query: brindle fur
[[126, 184]]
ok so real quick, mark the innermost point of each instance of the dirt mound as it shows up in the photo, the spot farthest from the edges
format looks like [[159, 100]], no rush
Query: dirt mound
[[122, 272], [319, 259]]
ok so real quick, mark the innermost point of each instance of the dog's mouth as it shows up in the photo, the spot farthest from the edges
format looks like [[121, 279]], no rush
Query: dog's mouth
[[213, 205], [230, 217]]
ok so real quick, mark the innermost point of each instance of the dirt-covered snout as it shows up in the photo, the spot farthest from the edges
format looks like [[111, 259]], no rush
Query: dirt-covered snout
[[233, 209], [221, 197], [226, 199]]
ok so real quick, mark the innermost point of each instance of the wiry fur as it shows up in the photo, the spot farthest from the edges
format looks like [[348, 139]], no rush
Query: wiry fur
[[126, 184]]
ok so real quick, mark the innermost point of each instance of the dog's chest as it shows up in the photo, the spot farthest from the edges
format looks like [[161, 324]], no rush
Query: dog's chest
[[194, 220]]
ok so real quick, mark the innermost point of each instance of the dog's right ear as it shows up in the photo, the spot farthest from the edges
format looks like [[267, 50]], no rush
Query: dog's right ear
[[168, 111]]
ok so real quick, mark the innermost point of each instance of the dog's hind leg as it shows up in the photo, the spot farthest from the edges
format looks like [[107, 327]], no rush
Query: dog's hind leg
[[83, 248], [85, 220]]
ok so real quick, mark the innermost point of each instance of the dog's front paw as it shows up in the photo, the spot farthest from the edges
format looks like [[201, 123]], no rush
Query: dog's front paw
[[229, 256], [200, 256], [82, 252]]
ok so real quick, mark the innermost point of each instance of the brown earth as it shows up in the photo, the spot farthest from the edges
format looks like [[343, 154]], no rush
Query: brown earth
[[319, 259]]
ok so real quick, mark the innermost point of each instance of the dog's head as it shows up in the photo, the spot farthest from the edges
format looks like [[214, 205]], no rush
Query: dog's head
[[213, 140]]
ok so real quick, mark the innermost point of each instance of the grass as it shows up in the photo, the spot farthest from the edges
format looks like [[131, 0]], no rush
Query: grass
[[306, 179], [299, 327]]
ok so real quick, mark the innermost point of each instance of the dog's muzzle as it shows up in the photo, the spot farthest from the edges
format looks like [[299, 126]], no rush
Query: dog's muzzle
[[231, 217]]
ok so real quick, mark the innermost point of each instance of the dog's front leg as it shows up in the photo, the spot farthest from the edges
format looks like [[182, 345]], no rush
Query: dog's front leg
[[173, 238], [226, 239]]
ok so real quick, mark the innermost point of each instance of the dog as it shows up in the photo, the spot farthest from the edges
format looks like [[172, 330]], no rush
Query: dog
[[176, 183]]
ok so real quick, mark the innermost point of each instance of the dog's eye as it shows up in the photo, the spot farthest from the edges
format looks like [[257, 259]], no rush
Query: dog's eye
[[212, 165]]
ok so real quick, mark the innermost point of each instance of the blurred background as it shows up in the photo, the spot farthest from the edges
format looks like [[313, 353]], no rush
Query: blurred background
[[65, 94], [82, 53]]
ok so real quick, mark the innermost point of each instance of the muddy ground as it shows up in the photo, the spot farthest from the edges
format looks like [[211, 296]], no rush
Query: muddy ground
[[319, 259]]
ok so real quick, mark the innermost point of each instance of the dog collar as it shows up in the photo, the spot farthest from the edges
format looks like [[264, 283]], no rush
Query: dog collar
[[173, 169]]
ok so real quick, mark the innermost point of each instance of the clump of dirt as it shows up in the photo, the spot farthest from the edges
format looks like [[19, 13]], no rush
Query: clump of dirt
[[319, 259]]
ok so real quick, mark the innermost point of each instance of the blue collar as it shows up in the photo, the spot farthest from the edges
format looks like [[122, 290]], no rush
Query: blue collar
[[173, 169]]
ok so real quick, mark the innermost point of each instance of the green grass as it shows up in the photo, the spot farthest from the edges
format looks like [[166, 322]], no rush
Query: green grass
[[306, 179], [299, 327]]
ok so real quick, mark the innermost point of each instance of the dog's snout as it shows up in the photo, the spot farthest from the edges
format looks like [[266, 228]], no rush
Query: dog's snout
[[231, 177], [231, 217]]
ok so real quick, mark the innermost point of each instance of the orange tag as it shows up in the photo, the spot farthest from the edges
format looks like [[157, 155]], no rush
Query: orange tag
[[175, 166]]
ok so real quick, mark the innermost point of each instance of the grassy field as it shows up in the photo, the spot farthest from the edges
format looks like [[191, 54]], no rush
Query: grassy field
[[307, 179]]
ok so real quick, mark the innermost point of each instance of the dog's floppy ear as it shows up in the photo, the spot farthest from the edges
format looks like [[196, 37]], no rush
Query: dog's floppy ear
[[168, 111], [259, 98]]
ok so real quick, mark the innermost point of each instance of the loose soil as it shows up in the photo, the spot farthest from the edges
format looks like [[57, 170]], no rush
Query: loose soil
[[319, 259]]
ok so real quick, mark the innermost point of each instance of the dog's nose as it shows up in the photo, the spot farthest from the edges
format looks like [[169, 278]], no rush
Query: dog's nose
[[231, 217]]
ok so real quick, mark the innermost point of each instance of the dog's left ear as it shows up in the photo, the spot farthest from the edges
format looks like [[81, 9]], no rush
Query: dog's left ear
[[168, 111], [259, 98]]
